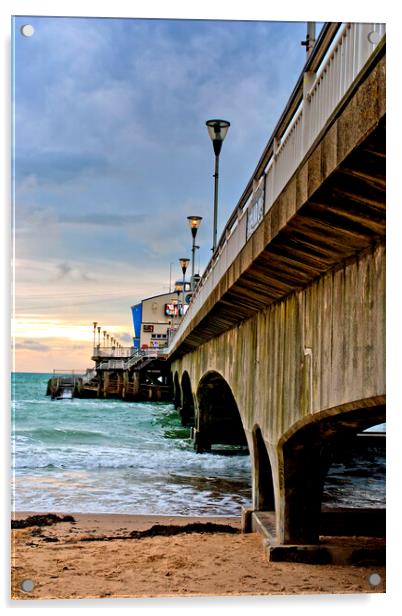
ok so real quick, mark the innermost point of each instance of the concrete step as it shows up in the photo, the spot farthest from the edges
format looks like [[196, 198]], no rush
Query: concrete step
[[346, 549]]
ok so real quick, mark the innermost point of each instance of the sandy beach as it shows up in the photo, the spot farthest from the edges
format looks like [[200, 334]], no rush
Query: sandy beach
[[111, 555]]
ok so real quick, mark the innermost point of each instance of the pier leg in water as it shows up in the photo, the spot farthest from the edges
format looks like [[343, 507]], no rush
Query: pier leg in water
[[201, 442]]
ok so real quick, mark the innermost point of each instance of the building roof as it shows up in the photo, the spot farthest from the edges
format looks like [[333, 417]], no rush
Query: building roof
[[167, 294]]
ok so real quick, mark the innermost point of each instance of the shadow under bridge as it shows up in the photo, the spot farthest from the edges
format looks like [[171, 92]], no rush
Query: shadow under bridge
[[217, 419]]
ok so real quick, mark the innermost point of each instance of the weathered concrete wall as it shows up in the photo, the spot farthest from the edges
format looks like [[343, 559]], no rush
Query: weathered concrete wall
[[317, 349], [302, 372]]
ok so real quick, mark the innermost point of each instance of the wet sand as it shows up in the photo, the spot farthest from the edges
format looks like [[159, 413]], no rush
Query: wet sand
[[96, 556]]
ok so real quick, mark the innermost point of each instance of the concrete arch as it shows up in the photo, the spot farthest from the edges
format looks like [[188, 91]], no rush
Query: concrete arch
[[187, 406], [176, 391], [304, 455], [218, 420], [263, 483]]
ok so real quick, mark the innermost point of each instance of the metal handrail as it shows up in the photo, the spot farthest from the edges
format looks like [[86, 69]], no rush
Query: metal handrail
[[110, 364], [137, 357], [90, 374], [121, 352]]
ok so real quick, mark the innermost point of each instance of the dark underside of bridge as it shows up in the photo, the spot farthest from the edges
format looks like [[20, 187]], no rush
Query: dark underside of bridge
[[342, 218]]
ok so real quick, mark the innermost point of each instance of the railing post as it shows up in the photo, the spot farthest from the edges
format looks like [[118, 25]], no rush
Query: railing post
[[308, 81], [366, 47], [274, 170]]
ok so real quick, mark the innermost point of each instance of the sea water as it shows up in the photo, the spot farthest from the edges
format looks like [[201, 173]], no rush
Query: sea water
[[111, 456]]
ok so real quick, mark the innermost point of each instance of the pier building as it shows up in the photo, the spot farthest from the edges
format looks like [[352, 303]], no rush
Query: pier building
[[156, 318]]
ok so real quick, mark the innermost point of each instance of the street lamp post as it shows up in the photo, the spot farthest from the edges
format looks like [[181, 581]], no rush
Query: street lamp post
[[194, 222], [184, 264], [99, 331], [217, 130], [177, 306], [95, 324], [170, 277], [310, 38]]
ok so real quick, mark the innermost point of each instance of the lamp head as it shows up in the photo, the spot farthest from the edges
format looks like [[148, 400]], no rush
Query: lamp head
[[184, 264], [217, 130], [194, 222]]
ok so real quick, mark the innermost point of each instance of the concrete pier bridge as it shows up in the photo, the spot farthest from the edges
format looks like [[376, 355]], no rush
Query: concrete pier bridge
[[283, 346]]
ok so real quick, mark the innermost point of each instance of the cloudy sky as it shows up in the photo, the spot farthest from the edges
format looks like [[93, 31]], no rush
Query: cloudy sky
[[112, 154]]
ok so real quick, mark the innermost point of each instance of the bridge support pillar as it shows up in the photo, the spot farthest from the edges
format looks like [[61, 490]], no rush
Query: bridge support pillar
[[200, 441], [187, 402], [303, 463], [105, 383], [262, 479]]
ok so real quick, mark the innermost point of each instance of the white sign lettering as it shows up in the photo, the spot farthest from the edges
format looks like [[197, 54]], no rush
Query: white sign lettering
[[255, 213]]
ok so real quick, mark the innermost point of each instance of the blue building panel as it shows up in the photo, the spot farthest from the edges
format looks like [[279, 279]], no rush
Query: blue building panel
[[137, 318]]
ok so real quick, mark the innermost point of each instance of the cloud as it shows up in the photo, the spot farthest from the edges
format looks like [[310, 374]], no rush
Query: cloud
[[58, 167], [64, 270], [102, 219], [67, 271], [112, 152], [88, 278], [32, 345], [126, 337]]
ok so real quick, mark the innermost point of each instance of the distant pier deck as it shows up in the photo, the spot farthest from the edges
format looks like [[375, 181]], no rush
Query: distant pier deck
[[119, 373], [63, 384]]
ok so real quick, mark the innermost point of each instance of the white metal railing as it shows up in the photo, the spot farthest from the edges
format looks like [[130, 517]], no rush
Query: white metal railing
[[288, 156], [140, 355], [113, 364], [347, 56], [88, 376], [67, 372], [122, 352], [66, 376], [136, 357], [340, 53], [133, 359]]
